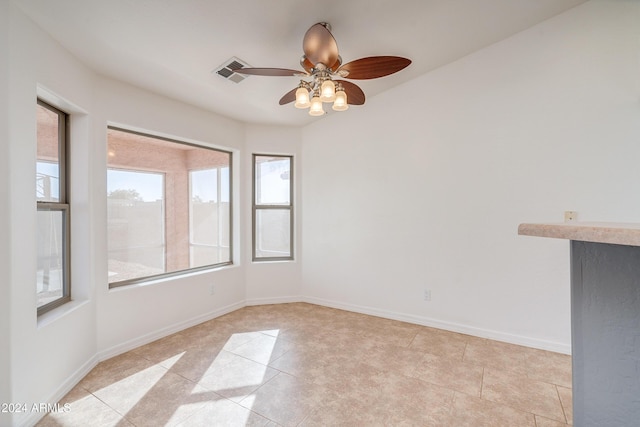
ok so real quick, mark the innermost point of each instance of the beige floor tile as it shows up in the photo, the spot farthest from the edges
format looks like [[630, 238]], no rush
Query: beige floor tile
[[301, 363], [390, 332], [155, 397], [356, 413], [224, 413], [546, 422], [351, 378], [522, 393], [113, 370], [498, 355], [440, 343], [469, 411], [410, 401], [566, 398], [344, 412], [549, 367], [238, 339], [393, 358], [235, 377], [328, 344], [257, 318], [456, 375], [298, 363], [194, 363], [210, 329], [164, 348], [80, 408], [263, 349], [287, 400]]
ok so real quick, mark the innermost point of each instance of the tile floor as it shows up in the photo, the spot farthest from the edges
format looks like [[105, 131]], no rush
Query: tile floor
[[307, 365]]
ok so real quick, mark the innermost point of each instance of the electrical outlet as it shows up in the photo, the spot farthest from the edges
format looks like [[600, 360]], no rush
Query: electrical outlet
[[570, 216], [212, 289], [427, 295]]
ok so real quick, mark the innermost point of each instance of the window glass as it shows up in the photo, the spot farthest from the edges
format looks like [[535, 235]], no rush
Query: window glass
[[272, 180], [48, 155], [169, 206], [273, 239], [208, 210], [135, 208], [50, 276]]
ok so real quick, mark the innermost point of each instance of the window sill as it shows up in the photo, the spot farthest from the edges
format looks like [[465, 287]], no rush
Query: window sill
[[59, 312], [169, 278], [273, 261]]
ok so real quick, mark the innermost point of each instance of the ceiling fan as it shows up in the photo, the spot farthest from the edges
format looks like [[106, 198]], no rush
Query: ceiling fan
[[322, 63]]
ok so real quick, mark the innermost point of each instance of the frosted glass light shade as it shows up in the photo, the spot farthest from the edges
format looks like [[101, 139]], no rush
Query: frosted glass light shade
[[328, 91], [302, 98], [340, 104], [316, 107]]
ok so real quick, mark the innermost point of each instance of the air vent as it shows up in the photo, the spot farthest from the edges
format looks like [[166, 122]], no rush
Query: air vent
[[226, 70]]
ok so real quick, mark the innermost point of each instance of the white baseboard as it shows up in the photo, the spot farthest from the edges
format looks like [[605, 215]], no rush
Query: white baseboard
[[448, 326], [161, 333], [276, 300]]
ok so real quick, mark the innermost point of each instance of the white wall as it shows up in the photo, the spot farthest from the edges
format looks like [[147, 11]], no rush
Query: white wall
[[5, 224], [425, 188], [272, 282], [45, 355]]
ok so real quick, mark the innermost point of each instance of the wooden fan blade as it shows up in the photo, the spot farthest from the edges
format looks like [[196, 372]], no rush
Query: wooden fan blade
[[373, 67], [319, 46], [269, 72], [355, 95], [290, 97], [306, 64]]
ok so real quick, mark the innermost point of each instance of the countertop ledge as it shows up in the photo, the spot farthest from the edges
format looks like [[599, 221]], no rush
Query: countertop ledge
[[597, 232]]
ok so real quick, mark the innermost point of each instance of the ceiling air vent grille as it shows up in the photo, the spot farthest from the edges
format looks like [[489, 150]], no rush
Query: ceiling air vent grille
[[226, 70]]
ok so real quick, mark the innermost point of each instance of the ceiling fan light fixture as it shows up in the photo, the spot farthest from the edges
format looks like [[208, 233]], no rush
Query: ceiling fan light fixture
[[316, 106], [302, 98], [340, 104], [321, 63], [328, 91]]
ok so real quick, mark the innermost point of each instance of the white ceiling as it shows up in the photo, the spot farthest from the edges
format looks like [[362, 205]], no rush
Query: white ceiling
[[172, 46]]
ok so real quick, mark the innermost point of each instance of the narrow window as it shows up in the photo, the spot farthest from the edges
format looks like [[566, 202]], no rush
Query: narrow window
[[168, 207], [53, 284], [272, 208]]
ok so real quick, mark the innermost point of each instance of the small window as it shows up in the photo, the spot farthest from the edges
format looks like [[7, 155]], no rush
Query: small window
[[272, 208], [168, 207], [53, 284]]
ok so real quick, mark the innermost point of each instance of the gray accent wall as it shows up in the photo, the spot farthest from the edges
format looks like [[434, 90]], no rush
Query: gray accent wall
[[605, 321]]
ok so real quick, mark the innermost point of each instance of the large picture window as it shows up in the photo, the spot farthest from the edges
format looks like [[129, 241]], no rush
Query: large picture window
[[53, 283], [272, 208], [168, 207]]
